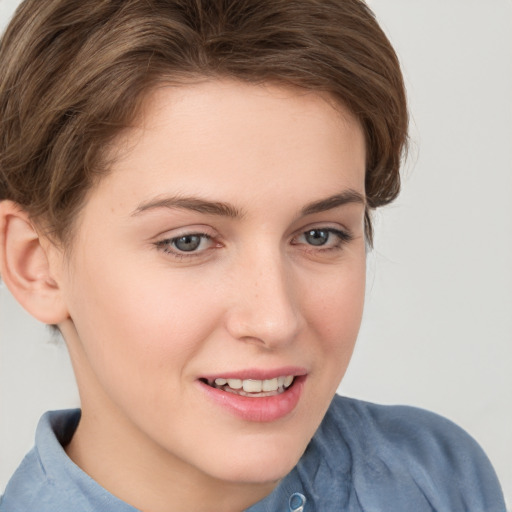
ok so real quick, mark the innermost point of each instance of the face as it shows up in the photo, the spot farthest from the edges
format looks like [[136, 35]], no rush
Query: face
[[216, 282]]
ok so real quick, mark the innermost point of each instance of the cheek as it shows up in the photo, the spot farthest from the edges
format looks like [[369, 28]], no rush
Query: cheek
[[139, 333], [334, 313], [338, 302]]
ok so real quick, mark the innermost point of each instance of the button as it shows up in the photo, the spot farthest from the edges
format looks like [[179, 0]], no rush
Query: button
[[297, 502]]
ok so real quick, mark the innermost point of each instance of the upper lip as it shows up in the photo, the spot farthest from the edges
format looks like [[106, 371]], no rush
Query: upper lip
[[258, 373]]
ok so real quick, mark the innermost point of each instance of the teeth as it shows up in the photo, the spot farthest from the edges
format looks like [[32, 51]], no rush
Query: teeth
[[252, 386], [278, 384], [270, 385], [235, 383]]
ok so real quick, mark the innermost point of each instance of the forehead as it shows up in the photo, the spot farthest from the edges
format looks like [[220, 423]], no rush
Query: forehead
[[237, 140], [212, 116]]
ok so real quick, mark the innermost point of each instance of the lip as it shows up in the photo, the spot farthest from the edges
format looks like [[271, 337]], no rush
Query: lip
[[257, 409], [259, 374]]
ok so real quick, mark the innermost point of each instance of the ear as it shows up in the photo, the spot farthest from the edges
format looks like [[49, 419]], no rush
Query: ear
[[25, 265]]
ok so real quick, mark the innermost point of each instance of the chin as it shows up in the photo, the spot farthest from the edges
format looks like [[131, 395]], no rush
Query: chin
[[256, 474], [258, 466]]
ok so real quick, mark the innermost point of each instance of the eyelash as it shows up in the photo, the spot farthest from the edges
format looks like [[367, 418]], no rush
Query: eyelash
[[167, 244], [343, 237]]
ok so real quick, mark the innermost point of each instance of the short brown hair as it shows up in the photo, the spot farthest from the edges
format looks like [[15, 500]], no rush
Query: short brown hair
[[72, 75]]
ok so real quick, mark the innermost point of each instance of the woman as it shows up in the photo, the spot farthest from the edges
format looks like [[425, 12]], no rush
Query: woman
[[187, 191]]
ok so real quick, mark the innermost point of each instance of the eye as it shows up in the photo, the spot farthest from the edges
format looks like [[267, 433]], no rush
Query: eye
[[187, 244], [325, 238], [317, 236]]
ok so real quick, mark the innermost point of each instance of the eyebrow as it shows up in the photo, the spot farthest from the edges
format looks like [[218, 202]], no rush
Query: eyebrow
[[346, 197], [191, 203], [227, 210]]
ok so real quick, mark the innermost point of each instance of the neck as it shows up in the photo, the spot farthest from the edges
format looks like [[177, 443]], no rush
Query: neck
[[131, 467]]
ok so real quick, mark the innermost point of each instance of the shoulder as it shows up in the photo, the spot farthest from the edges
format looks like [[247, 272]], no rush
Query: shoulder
[[25, 486], [410, 452], [47, 480], [32, 483], [402, 427], [422, 435]]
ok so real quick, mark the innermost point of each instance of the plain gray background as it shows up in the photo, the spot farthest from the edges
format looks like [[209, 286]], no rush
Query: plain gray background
[[437, 331]]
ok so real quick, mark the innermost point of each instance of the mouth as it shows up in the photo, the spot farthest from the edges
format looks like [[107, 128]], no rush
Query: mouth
[[252, 387], [256, 395]]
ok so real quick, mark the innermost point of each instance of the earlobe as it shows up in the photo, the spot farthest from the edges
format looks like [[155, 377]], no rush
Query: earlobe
[[25, 267]]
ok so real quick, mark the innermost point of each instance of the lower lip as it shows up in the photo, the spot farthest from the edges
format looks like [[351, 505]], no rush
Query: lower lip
[[262, 409]]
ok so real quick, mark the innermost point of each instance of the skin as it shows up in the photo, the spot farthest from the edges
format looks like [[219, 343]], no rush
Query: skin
[[143, 322]]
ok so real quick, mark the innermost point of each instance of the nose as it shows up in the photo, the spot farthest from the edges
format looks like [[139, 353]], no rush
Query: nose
[[264, 306]]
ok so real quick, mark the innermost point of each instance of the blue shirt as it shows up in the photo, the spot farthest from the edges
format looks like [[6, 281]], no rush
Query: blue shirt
[[363, 458]]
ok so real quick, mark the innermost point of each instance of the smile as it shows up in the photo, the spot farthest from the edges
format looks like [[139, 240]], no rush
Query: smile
[[256, 394], [253, 387]]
